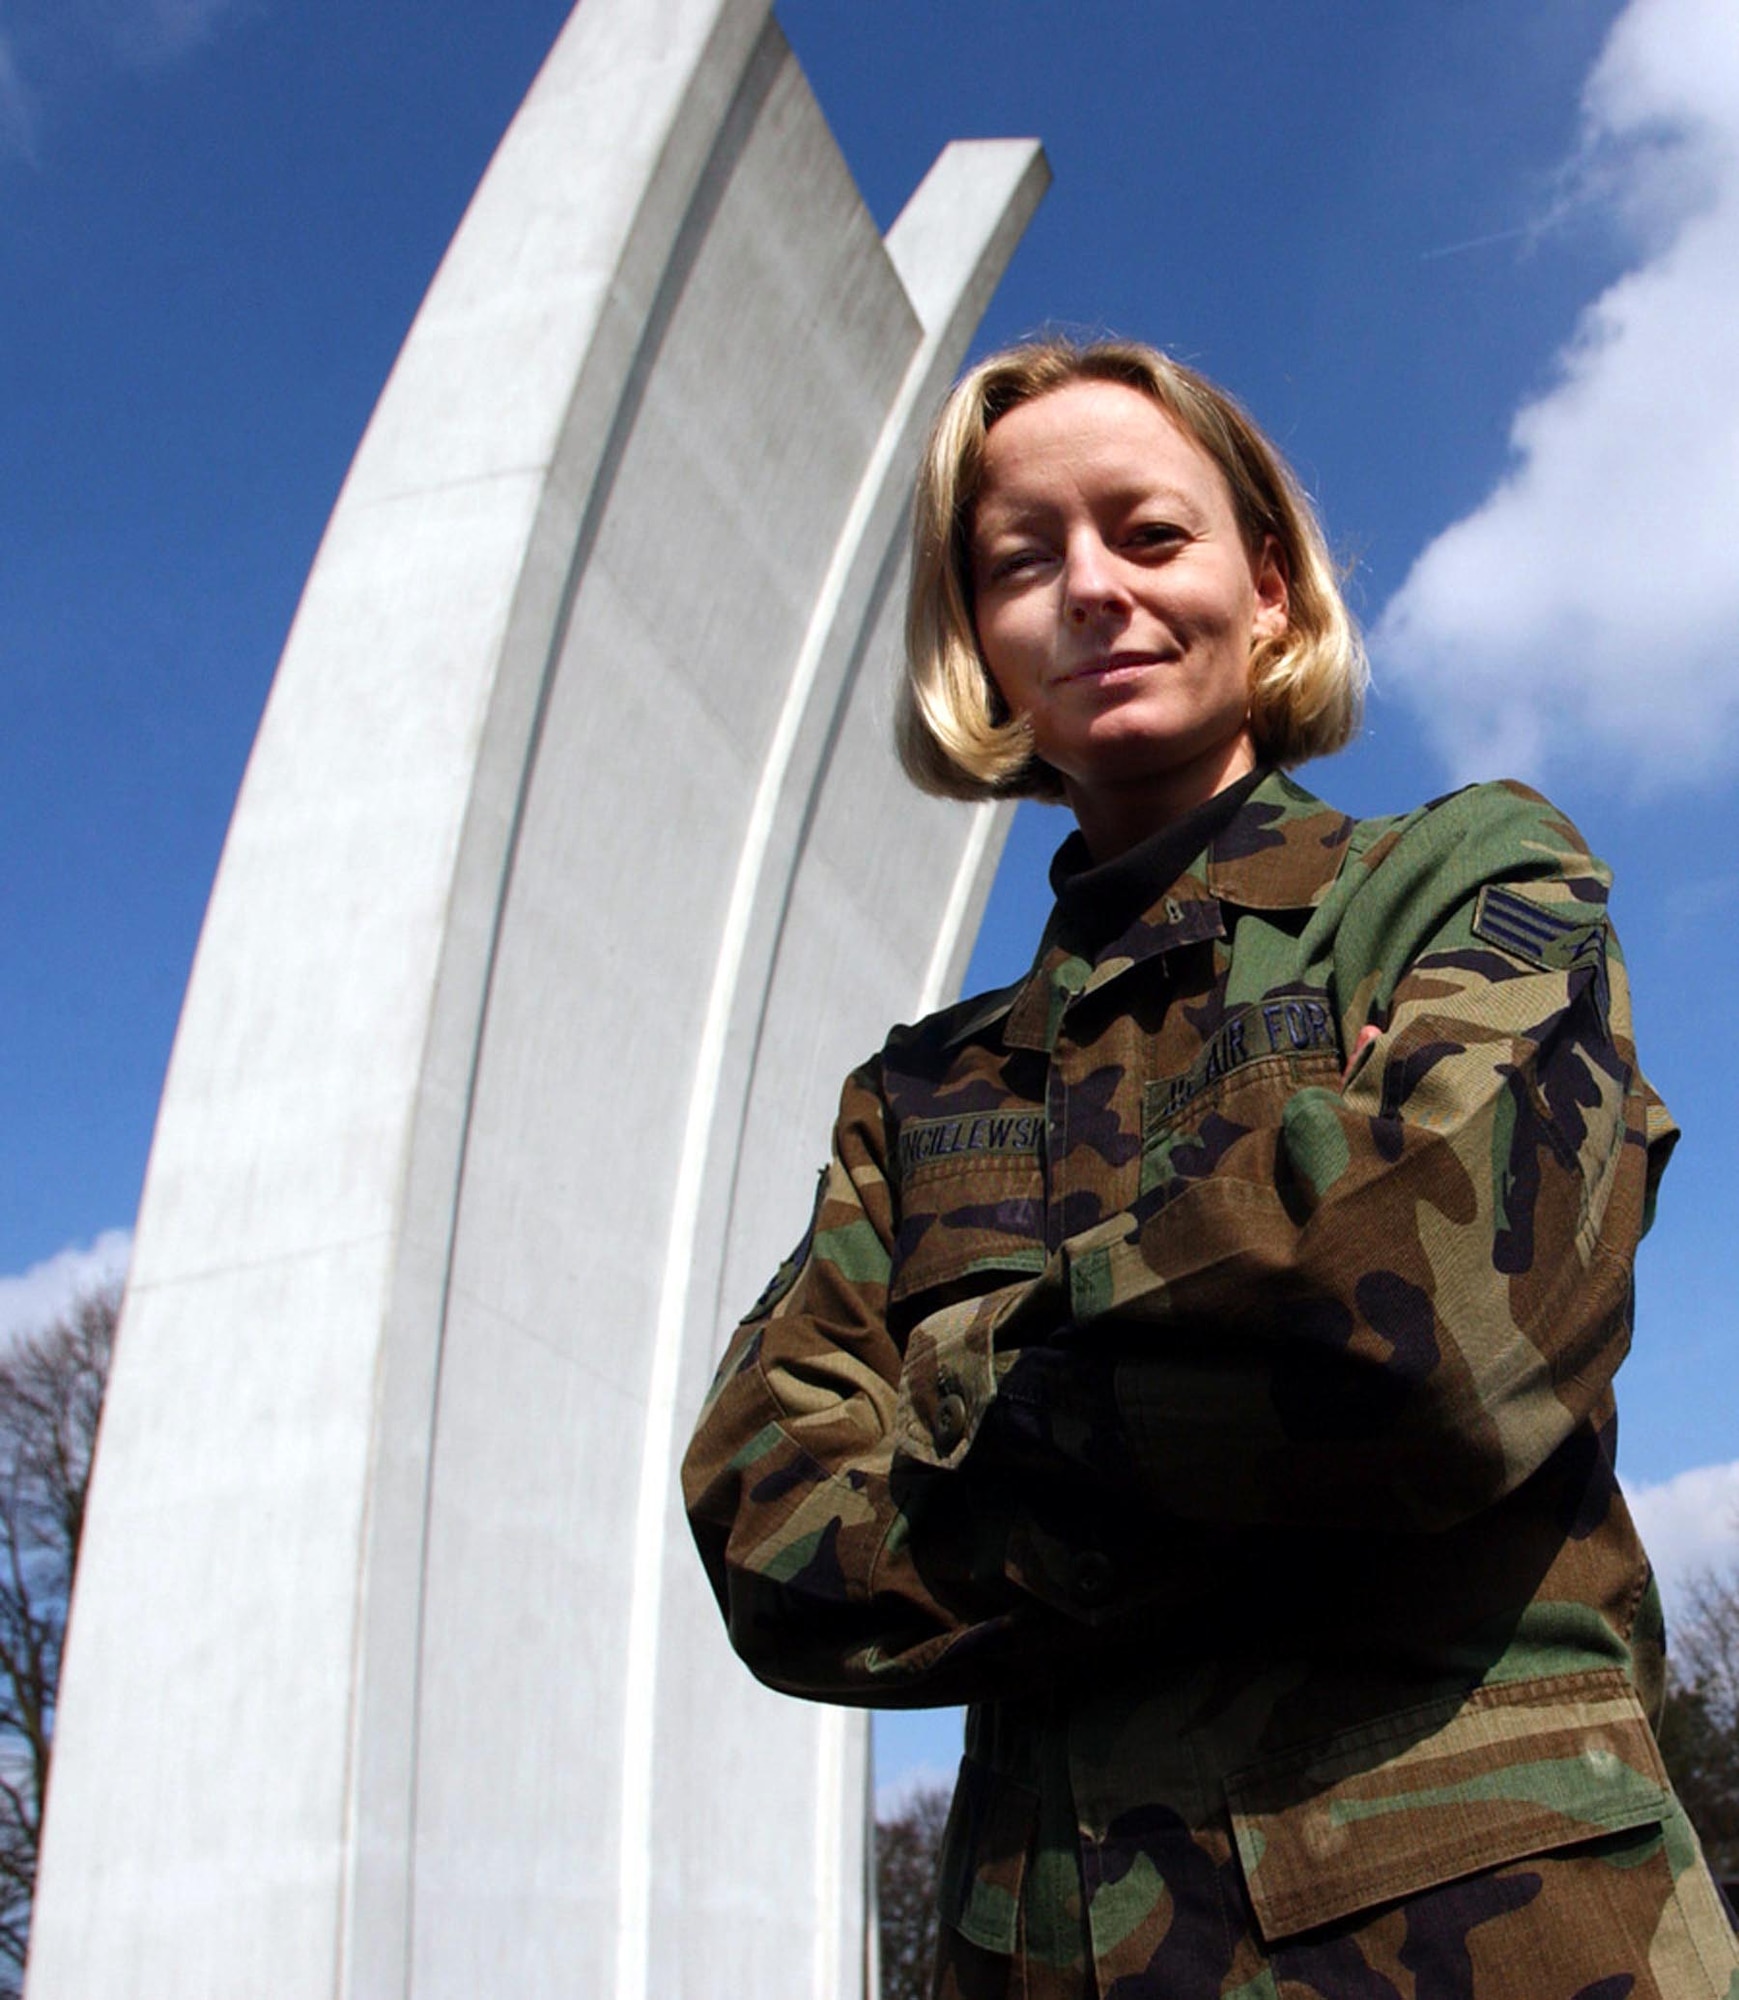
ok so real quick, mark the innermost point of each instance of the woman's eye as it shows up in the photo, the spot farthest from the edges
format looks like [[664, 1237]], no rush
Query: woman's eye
[[1156, 535], [1014, 562]]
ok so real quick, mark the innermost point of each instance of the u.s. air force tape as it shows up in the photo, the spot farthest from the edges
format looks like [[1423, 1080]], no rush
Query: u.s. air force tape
[[1297, 1026]]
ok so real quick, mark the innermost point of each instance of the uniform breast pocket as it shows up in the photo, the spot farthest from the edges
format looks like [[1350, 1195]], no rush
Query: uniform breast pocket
[[972, 1203], [1221, 1114]]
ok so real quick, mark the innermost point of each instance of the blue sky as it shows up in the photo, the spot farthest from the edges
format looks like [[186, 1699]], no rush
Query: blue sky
[[1475, 263]]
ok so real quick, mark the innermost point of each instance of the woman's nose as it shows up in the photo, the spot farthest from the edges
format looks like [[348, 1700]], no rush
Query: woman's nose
[[1092, 582]]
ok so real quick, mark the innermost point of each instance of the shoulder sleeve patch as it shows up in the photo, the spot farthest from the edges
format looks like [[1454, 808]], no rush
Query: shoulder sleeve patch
[[1541, 933], [788, 1272]]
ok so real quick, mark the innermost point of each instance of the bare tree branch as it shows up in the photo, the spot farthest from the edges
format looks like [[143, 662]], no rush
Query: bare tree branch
[[1699, 1734], [908, 1848], [51, 1397]]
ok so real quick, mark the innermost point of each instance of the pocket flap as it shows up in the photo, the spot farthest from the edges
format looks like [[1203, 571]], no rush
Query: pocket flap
[[990, 1831], [972, 1201], [1421, 1797]]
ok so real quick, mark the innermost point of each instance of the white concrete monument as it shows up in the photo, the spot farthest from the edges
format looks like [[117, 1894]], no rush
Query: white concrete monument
[[570, 872]]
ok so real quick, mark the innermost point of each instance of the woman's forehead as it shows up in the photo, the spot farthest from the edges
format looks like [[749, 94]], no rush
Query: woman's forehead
[[1092, 440]]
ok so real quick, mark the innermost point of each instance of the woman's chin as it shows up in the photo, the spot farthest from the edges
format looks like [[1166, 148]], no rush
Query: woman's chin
[[1132, 756]]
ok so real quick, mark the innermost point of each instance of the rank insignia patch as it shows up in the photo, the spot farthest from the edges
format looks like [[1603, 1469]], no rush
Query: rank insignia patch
[[1539, 932]]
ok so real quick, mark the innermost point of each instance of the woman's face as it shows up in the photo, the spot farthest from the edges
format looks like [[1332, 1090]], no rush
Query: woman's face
[[1116, 603]]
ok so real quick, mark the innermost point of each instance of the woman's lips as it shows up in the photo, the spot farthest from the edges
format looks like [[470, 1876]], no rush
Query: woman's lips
[[1109, 667]]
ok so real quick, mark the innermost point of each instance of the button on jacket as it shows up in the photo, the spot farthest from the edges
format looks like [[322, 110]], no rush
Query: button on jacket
[[1200, 1362]]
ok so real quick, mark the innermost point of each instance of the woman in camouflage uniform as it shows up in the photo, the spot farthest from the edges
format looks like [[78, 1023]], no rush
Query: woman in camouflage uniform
[[1200, 1359]]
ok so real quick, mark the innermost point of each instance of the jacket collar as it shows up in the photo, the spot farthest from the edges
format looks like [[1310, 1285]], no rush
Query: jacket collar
[[1281, 850]]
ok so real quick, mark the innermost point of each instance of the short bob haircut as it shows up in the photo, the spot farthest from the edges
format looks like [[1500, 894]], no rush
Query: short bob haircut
[[954, 731]]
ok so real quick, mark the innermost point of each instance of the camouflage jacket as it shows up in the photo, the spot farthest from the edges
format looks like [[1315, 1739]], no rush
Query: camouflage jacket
[[1200, 1361]]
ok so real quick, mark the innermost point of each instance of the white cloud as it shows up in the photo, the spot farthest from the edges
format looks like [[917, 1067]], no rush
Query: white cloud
[[144, 33], [1689, 1524], [17, 110], [1589, 604], [71, 44], [43, 1293]]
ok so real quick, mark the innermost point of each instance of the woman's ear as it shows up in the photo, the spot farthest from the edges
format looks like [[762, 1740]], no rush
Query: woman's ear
[[1273, 591]]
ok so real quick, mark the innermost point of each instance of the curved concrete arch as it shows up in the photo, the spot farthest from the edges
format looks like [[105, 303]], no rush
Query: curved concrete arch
[[570, 871]]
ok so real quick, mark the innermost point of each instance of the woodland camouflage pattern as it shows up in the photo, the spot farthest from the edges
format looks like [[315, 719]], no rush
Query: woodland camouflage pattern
[[1238, 1441]]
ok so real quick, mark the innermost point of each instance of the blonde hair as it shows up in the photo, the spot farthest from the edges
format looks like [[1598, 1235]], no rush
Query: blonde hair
[[955, 734]]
